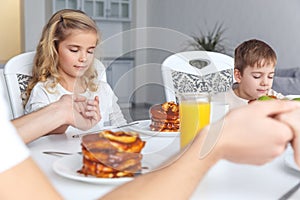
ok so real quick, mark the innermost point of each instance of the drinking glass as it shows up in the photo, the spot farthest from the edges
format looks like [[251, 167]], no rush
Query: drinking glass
[[194, 112], [218, 110]]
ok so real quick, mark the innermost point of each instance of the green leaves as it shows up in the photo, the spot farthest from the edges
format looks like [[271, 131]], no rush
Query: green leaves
[[212, 41]]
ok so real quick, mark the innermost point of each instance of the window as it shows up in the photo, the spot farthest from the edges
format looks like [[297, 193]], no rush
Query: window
[[118, 10]]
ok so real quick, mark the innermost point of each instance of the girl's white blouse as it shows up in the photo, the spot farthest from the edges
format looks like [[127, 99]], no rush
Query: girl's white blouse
[[110, 111]]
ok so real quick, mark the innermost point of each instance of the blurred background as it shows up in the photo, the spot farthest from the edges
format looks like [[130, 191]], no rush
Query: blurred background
[[137, 35]]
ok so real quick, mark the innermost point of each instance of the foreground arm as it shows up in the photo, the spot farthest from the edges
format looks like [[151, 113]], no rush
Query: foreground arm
[[255, 144], [26, 181], [41, 122], [67, 111], [292, 120], [20, 178]]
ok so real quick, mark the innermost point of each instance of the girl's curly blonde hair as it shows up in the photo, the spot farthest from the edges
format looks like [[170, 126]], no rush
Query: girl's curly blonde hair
[[58, 28]]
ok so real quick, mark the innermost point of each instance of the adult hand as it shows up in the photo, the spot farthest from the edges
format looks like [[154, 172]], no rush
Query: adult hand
[[82, 113], [93, 110], [86, 113], [292, 119], [252, 135]]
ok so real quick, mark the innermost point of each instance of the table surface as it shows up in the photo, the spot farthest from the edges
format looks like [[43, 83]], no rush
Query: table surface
[[224, 181]]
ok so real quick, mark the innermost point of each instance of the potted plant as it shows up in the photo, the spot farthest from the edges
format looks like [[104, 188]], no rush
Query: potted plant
[[211, 41]]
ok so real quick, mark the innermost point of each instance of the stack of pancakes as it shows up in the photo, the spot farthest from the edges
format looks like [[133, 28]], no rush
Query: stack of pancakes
[[165, 117], [111, 154]]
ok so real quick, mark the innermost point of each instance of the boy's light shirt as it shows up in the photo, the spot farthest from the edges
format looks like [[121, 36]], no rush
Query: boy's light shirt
[[230, 98], [235, 101]]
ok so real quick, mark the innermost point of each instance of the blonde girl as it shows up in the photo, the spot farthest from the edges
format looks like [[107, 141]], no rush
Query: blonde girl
[[64, 64]]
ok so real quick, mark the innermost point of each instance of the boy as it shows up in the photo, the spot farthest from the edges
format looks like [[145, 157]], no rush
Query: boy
[[254, 67]]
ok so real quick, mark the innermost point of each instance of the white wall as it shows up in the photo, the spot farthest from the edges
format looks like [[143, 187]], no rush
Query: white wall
[[10, 34], [275, 21], [34, 21], [115, 47]]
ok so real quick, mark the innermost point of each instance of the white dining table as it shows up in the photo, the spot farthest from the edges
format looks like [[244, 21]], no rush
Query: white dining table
[[225, 180]]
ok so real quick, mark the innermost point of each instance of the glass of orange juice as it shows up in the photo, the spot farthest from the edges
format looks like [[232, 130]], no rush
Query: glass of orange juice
[[194, 112]]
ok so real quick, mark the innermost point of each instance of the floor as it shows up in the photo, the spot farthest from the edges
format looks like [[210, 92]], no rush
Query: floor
[[136, 112]]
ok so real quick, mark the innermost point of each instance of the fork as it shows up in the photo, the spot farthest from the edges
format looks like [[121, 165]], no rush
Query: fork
[[60, 153], [122, 126], [289, 193]]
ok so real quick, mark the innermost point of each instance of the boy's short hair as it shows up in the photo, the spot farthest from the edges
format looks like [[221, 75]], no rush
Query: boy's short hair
[[253, 53]]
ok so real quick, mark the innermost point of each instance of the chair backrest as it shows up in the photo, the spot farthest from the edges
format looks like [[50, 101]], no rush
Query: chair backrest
[[17, 73], [196, 71], [4, 92]]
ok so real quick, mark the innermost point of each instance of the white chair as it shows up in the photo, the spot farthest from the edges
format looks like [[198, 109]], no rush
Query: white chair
[[196, 71], [17, 73], [4, 92]]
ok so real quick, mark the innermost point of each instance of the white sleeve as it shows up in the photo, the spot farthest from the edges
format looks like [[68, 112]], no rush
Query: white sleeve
[[116, 116], [12, 149], [39, 98]]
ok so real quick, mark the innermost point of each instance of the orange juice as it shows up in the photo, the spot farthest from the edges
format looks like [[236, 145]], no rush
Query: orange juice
[[193, 117]]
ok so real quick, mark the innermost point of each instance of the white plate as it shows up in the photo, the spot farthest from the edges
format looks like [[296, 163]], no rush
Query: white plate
[[68, 166], [143, 128], [290, 97], [290, 162]]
